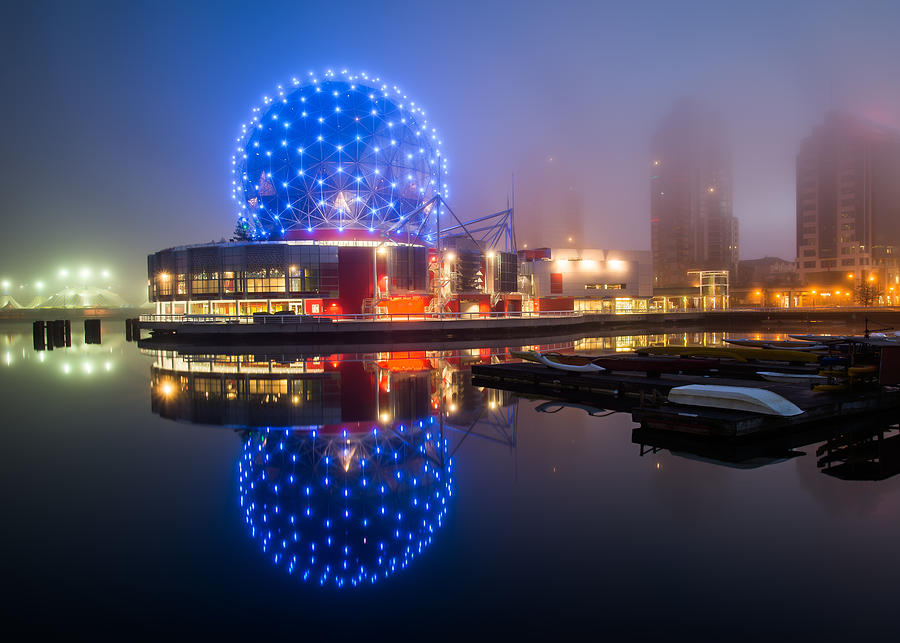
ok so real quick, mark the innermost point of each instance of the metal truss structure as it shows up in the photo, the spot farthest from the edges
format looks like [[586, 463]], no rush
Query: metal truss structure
[[492, 232]]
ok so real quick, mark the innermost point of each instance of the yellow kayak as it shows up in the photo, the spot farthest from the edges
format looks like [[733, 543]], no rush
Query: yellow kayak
[[831, 388], [738, 353]]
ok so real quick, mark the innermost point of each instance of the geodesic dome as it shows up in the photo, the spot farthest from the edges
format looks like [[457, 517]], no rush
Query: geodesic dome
[[337, 152]]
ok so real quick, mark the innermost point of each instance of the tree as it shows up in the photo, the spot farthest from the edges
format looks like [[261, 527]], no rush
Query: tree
[[241, 231], [867, 293]]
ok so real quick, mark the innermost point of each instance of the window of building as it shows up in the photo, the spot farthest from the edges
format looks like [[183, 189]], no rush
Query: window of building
[[205, 283], [809, 264], [265, 280], [604, 286]]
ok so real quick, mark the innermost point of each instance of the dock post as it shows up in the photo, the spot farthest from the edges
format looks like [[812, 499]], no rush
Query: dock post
[[91, 331], [59, 333], [39, 337]]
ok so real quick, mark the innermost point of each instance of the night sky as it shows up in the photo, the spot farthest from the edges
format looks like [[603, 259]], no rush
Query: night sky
[[120, 118]]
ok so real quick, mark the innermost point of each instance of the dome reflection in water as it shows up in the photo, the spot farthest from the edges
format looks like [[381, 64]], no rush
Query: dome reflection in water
[[346, 507], [345, 466]]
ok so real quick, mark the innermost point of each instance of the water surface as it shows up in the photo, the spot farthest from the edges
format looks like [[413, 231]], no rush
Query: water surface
[[378, 494]]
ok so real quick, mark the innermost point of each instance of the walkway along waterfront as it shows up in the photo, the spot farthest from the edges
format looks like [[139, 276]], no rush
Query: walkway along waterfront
[[448, 326]]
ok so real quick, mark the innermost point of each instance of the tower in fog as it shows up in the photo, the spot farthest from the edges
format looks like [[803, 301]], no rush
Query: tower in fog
[[692, 225], [848, 202]]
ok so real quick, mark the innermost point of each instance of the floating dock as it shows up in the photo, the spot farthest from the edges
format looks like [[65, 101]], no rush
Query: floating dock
[[646, 397]]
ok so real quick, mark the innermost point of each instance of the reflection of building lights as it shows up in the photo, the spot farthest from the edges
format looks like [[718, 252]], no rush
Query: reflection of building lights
[[385, 418], [66, 369], [166, 388], [108, 366], [88, 368], [453, 408]]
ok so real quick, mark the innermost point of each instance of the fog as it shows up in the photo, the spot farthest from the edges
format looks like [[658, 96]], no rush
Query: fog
[[121, 119]]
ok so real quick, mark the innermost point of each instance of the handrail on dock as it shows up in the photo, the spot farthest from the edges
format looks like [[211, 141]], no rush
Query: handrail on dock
[[324, 318]]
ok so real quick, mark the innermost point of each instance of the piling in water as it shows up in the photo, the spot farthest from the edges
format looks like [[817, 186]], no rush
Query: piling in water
[[91, 331], [38, 330], [59, 333]]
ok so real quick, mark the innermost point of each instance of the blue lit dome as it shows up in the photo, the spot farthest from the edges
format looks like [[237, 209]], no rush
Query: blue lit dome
[[337, 152], [345, 509]]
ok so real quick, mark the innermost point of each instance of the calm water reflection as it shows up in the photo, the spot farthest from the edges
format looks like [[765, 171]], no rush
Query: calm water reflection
[[372, 493]]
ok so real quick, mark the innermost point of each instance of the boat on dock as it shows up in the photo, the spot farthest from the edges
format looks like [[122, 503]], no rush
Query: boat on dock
[[739, 353], [624, 363], [792, 378], [571, 363], [734, 398], [796, 345]]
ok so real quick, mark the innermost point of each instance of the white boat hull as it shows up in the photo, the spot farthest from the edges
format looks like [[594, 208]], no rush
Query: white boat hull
[[582, 368], [736, 398], [796, 378]]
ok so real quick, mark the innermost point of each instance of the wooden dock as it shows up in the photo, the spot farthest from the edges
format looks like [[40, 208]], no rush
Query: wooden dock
[[646, 397]]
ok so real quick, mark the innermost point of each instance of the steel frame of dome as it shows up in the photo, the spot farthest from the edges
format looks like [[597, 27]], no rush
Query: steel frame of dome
[[339, 152]]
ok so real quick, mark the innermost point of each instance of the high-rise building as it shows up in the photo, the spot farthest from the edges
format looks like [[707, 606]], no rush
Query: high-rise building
[[692, 225], [848, 202]]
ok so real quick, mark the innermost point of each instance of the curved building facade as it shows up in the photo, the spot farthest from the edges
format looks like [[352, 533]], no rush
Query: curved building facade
[[305, 277]]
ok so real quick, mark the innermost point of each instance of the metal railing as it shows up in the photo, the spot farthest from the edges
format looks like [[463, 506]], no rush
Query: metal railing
[[265, 318]]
